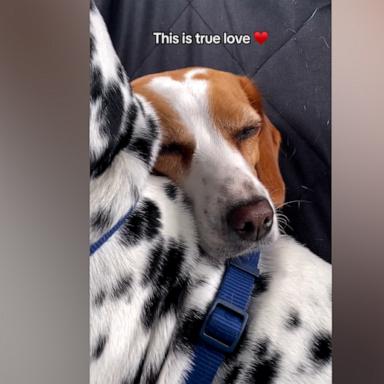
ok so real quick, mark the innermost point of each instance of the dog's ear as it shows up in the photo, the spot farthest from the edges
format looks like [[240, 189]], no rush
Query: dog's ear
[[267, 167]]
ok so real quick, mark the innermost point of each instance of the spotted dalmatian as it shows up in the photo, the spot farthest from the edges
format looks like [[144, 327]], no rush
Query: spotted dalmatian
[[151, 283]]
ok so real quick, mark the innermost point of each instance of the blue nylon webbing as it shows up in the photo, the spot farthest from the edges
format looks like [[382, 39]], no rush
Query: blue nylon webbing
[[226, 318]]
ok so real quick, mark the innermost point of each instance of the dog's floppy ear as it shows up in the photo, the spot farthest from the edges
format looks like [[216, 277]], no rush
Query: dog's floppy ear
[[267, 167]]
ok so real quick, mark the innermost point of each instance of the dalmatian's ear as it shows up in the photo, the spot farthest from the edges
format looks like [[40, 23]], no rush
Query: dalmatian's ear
[[119, 119], [110, 98]]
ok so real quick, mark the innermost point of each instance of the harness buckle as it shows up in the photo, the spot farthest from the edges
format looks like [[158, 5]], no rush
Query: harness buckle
[[228, 323]]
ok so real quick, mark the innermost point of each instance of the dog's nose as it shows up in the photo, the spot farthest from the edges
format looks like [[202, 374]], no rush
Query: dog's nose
[[251, 221]]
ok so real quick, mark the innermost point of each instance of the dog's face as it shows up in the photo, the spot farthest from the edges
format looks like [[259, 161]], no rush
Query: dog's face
[[221, 148]]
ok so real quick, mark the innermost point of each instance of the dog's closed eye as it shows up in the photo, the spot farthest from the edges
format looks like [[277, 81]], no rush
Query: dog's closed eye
[[247, 132]]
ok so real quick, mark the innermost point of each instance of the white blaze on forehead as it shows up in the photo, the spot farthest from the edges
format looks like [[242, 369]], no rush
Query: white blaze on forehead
[[189, 99]]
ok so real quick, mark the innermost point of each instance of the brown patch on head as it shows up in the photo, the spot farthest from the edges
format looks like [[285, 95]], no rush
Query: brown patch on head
[[173, 160], [233, 113], [230, 107]]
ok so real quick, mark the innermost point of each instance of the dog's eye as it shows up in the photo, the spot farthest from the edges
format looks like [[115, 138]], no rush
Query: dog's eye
[[172, 149], [246, 133]]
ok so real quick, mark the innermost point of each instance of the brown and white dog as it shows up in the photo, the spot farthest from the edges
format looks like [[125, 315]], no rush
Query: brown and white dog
[[221, 148]]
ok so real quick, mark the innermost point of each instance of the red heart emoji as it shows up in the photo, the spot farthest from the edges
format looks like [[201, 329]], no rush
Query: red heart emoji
[[261, 37]]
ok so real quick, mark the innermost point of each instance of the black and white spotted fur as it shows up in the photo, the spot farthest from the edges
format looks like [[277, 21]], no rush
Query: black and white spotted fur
[[150, 284]]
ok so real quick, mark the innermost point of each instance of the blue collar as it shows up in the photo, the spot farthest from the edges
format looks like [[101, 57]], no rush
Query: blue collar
[[103, 239], [226, 318]]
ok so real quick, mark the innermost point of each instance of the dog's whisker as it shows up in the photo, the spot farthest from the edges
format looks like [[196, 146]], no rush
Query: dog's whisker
[[282, 218], [282, 231], [280, 214], [283, 222], [293, 201]]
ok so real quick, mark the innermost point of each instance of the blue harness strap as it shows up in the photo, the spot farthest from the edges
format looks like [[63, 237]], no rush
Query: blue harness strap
[[104, 238], [226, 319]]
